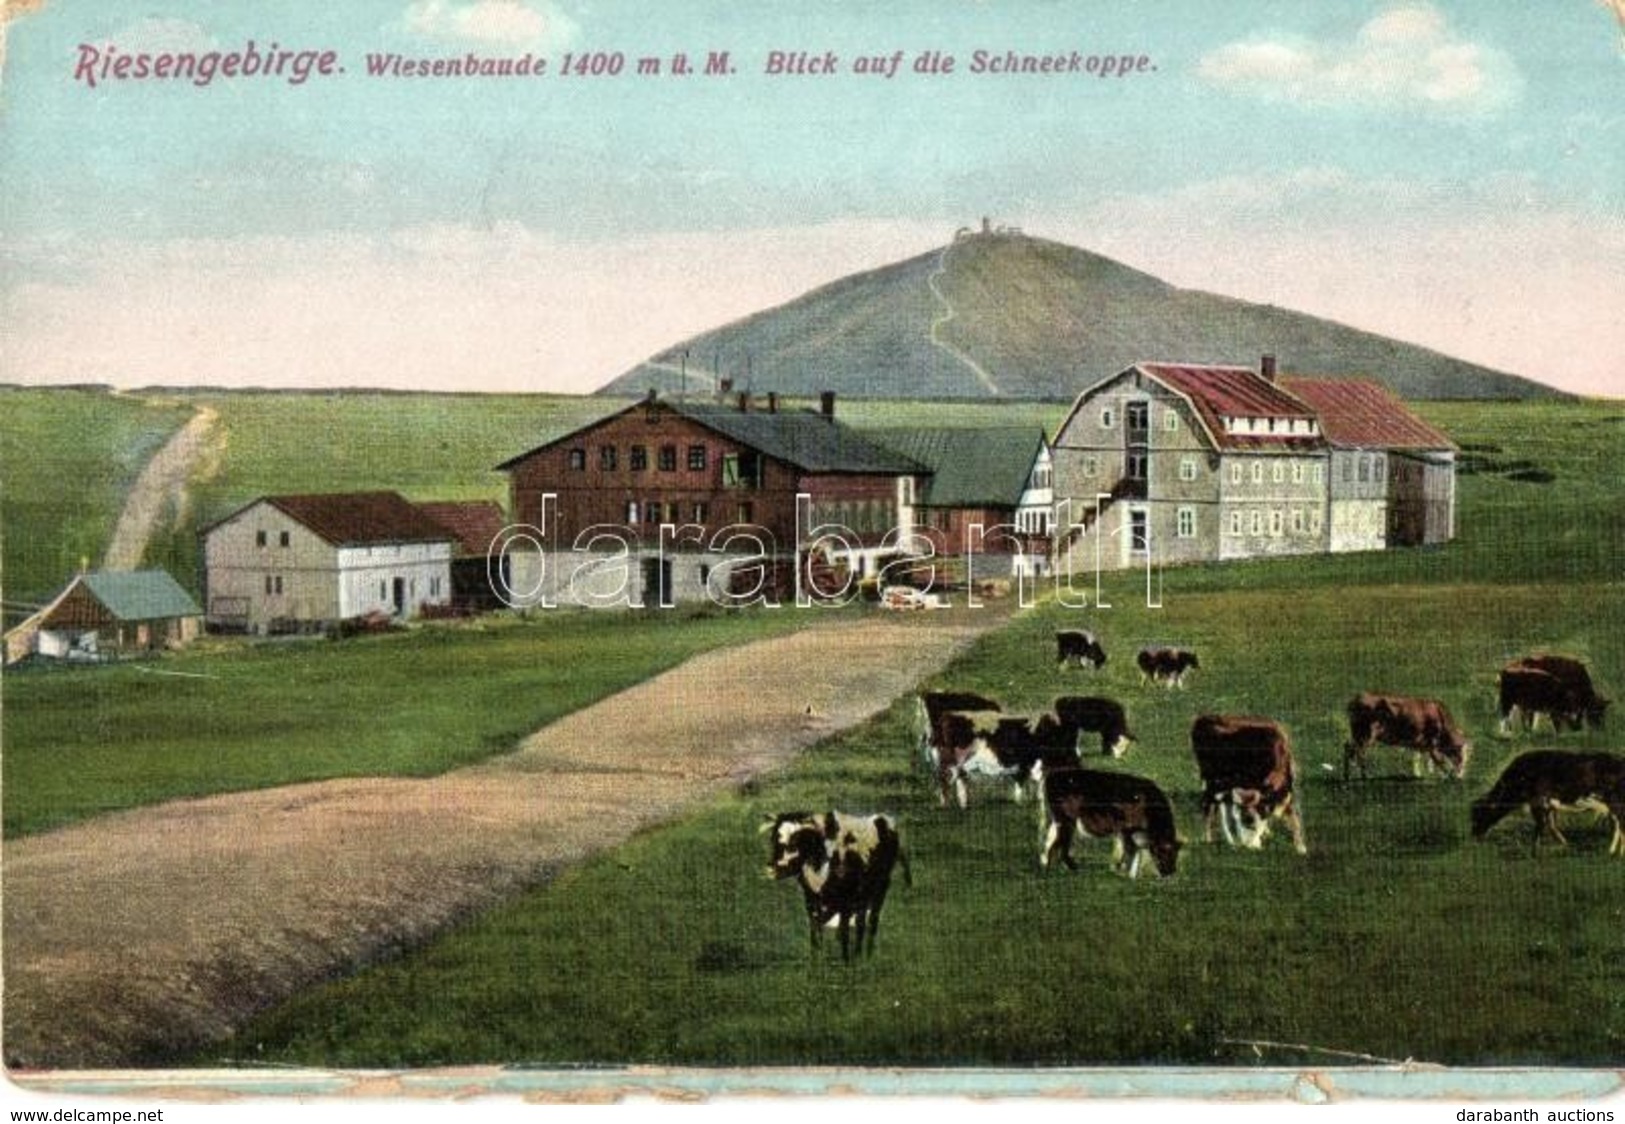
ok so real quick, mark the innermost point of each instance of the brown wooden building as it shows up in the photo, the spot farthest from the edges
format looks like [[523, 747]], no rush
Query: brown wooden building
[[109, 613], [676, 487]]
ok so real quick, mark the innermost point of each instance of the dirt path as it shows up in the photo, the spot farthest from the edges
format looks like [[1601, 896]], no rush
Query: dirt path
[[161, 486], [144, 933]]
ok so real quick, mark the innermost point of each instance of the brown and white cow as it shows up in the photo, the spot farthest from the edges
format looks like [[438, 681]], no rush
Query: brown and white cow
[[1556, 686], [1166, 666], [1548, 781], [1015, 748], [1080, 647], [1528, 693], [1422, 725], [844, 865], [1090, 714], [1248, 778], [1131, 810]]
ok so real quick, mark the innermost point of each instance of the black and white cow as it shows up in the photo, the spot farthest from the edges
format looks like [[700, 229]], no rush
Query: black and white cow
[[935, 704], [1131, 810], [843, 863], [1080, 647], [1166, 666], [1014, 748], [1090, 714]]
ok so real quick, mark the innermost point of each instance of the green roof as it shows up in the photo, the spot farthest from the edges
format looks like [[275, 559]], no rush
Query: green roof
[[141, 595], [970, 467]]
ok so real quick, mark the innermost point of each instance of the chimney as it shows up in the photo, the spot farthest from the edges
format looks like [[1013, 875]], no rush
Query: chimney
[[772, 401], [744, 401], [1266, 368], [826, 405]]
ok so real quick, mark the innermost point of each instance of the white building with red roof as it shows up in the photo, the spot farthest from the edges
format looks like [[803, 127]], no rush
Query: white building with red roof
[[1185, 462], [1391, 475], [296, 562]]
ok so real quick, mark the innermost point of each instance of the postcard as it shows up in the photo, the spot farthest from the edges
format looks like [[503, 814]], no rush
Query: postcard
[[559, 550]]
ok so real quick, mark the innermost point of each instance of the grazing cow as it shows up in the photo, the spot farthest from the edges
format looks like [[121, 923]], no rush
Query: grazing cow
[[1575, 694], [1248, 778], [935, 704], [1166, 666], [1423, 725], [1130, 809], [1548, 781], [1080, 647], [993, 744], [844, 864], [1529, 693], [1092, 715]]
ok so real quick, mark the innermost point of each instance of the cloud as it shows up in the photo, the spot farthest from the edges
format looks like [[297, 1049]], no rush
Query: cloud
[[158, 35], [512, 23], [1405, 57]]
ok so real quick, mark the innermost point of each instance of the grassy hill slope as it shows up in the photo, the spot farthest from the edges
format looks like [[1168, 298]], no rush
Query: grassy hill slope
[[1041, 320]]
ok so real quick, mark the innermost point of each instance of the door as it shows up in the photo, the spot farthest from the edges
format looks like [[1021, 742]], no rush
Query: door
[[400, 597], [657, 583]]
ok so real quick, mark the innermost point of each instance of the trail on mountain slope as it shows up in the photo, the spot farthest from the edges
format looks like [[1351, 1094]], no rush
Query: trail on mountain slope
[[947, 317]]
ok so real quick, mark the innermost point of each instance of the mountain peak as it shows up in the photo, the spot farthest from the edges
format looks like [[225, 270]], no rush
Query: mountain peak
[[996, 313]]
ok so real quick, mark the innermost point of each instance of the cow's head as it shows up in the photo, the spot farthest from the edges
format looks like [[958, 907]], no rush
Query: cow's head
[[799, 842], [1165, 853], [1595, 711], [1188, 659]]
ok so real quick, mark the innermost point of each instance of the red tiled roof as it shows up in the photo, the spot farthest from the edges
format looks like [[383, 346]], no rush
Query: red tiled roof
[[361, 518], [1366, 414], [474, 525], [1235, 392]]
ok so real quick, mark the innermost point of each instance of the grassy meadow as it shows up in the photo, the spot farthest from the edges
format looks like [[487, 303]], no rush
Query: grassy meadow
[[1398, 937], [225, 716], [67, 457]]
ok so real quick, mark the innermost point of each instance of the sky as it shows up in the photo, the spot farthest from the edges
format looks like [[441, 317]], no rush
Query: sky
[[1449, 172]]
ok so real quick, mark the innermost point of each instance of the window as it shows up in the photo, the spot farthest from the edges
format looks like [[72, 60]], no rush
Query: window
[[578, 460], [1258, 472], [1235, 522], [1235, 472], [1137, 415], [1170, 420], [1297, 472], [282, 539], [267, 585], [668, 458], [1091, 466], [383, 591], [1277, 472], [1297, 522], [606, 458], [434, 587], [1187, 468], [631, 512], [1107, 418], [1365, 468], [1319, 475], [651, 512], [639, 460], [259, 538], [696, 458], [1277, 522], [1186, 522], [1315, 521], [1377, 468], [1139, 532], [699, 513], [1256, 523], [747, 512]]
